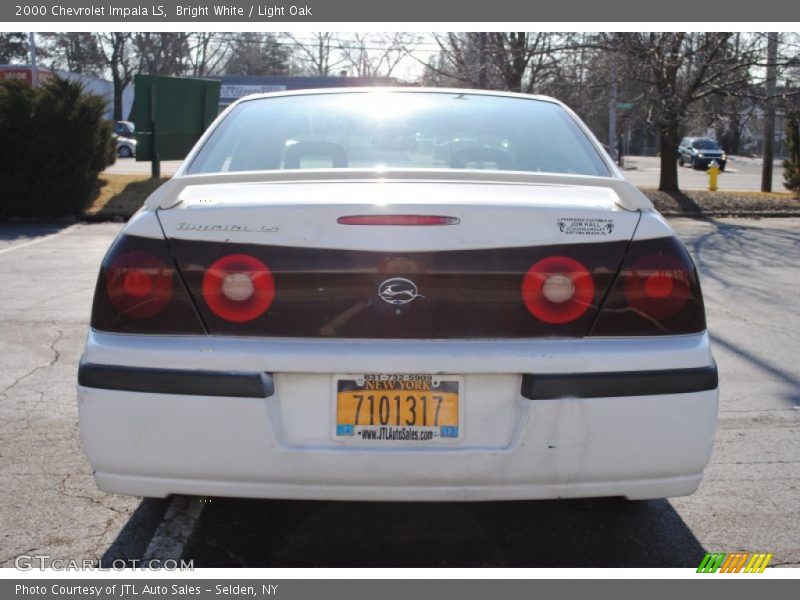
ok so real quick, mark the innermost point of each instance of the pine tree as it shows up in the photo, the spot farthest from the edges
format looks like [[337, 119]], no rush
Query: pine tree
[[791, 166], [13, 47]]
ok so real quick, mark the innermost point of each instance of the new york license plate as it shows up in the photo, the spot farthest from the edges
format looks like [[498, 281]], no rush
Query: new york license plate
[[397, 408]]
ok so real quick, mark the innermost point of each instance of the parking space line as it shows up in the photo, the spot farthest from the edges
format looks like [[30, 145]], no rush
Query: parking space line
[[37, 240], [174, 530]]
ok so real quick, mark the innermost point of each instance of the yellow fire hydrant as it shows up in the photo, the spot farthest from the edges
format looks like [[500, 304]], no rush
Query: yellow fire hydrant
[[713, 173]]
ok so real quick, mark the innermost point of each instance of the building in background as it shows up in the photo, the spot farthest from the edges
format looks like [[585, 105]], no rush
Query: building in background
[[95, 85], [234, 87]]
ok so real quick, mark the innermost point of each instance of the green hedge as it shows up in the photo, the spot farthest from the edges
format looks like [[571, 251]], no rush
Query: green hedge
[[54, 142]]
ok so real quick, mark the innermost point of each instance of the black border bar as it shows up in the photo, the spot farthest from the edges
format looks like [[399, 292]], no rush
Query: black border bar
[[234, 384], [619, 383], [437, 11]]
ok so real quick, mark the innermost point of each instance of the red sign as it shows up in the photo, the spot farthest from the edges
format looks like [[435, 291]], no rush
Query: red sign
[[24, 74]]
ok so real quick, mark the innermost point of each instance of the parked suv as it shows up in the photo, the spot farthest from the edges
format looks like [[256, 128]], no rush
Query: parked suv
[[699, 152]]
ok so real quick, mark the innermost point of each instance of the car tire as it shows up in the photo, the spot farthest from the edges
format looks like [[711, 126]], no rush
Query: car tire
[[124, 152], [722, 167], [680, 160], [695, 164]]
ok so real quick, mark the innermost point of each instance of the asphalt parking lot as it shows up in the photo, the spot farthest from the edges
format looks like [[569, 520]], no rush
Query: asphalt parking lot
[[741, 173], [749, 499]]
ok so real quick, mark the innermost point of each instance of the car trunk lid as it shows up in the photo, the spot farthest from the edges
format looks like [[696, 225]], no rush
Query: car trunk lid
[[463, 279]]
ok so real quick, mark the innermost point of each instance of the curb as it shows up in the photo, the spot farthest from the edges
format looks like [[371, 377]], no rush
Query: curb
[[105, 218], [742, 214]]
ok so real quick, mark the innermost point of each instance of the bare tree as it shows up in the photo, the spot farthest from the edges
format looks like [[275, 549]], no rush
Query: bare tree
[[75, 51], [459, 61], [370, 55], [118, 55], [258, 54], [522, 59], [318, 55], [208, 52], [680, 69], [162, 53], [514, 61]]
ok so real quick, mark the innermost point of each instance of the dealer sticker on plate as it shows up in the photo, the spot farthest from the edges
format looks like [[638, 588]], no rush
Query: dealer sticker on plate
[[410, 408]]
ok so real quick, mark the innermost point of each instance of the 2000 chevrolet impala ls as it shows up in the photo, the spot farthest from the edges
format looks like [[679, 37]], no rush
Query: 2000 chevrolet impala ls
[[398, 294]]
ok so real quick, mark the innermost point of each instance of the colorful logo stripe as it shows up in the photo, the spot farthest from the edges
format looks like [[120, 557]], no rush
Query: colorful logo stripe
[[735, 562]]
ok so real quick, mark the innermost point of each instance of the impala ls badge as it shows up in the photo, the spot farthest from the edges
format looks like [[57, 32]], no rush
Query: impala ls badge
[[398, 291]]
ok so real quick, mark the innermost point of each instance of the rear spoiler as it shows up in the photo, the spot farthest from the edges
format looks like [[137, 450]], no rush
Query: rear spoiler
[[168, 195]]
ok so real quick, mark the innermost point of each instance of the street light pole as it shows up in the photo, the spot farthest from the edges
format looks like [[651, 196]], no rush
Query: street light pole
[[34, 68], [769, 113], [612, 110], [482, 60]]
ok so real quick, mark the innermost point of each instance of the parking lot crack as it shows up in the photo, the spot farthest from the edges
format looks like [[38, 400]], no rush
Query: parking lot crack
[[53, 361], [102, 543], [8, 560], [91, 499]]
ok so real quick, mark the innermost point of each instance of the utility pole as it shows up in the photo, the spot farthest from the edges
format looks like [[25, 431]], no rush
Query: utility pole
[[580, 70], [769, 113], [482, 61], [34, 68], [612, 109]]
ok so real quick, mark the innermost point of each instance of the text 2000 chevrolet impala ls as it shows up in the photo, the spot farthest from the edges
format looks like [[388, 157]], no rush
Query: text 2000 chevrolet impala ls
[[398, 294]]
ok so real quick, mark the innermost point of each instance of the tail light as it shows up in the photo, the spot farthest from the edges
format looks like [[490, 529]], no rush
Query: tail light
[[140, 291], [657, 292], [269, 291], [139, 284], [558, 289], [238, 288], [641, 288], [657, 285]]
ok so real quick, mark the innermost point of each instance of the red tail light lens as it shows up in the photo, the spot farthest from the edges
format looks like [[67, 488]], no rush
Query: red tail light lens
[[139, 291], [558, 289], [397, 220], [238, 288], [657, 292], [658, 285], [139, 284]]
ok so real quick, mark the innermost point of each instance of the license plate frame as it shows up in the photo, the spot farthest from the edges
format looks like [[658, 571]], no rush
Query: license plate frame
[[445, 433]]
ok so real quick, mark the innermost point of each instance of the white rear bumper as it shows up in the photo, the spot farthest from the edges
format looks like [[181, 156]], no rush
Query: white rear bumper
[[155, 444]]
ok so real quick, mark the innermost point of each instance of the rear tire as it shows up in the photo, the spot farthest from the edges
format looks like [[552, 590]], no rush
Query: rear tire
[[124, 152], [680, 160]]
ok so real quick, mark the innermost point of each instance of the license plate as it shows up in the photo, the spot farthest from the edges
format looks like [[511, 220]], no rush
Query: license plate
[[398, 408]]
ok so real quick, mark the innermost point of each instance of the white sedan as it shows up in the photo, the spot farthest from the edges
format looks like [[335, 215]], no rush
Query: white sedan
[[398, 294], [126, 147]]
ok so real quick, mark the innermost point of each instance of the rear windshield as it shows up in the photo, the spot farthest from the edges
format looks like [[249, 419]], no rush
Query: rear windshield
[[434, 130]]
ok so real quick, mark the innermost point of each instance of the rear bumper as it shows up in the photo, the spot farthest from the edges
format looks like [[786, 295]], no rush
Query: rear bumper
[[274, 442], [538, 386]]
